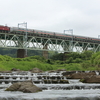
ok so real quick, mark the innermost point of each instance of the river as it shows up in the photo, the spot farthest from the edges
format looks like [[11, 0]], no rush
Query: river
[[73, 91]]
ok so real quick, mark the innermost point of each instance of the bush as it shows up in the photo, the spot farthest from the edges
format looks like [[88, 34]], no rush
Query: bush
[[77, 60], [95, 59], [73, 67]]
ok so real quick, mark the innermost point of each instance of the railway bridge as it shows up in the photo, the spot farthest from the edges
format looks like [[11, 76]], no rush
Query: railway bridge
[[47, 42]]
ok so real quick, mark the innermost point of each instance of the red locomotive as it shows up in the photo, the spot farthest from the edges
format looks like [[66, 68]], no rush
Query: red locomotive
[[5, 29]]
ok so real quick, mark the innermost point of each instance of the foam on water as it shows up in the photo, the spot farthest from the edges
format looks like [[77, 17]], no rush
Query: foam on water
[[73, 91], [89, 94]]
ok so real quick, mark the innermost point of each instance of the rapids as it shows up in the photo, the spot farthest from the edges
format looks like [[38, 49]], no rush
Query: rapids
[[52, 95], [75, 90], [55, 92]]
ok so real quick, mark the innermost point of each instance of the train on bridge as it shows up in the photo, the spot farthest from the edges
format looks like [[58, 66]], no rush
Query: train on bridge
[[31, 32]]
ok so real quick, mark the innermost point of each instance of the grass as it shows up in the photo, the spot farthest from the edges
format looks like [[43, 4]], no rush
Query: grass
[[25, 64]]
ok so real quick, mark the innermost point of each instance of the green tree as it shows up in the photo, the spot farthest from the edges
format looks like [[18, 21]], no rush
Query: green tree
[[94, 56], [86, 55], [77, 60], [96, 61], [58, 56], [70, 60], [74, 55], [86, 64]]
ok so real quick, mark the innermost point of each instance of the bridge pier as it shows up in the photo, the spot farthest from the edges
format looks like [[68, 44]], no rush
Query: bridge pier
[[21, 53], [45, 53], [65, 55]]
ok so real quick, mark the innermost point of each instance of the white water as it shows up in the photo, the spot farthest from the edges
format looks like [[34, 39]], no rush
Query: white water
[[73, 91], [52, 94], [90, 94]]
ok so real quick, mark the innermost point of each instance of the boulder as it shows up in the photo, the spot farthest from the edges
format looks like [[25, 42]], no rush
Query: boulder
[[64, 81], [61, 70], [26, 87], [36, 70], [5, 71], [91, 79], [1, 77], [14, 69], [51, 71], [78, 75], [57, 71], [68, 73], [82, 75]]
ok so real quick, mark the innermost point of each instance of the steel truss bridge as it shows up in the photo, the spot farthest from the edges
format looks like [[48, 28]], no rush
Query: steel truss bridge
[[47, 42]]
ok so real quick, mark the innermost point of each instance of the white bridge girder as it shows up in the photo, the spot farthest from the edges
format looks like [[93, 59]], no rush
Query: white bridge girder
[[44, 43]]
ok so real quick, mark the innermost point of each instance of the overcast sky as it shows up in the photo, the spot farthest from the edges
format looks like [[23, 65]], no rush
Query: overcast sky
[[83, 16]]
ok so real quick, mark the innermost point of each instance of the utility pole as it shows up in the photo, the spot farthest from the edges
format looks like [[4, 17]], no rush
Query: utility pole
[[25, 37], [99, 36], [70, 31]]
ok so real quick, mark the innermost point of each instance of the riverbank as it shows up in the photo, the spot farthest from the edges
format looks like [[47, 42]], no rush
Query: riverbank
[[28, 63]]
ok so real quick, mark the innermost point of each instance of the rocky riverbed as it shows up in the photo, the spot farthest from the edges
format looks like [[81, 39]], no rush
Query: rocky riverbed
[[73, 90], [54, 94]]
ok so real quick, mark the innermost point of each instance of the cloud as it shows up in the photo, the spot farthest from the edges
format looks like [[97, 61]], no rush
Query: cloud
[[53, 15]]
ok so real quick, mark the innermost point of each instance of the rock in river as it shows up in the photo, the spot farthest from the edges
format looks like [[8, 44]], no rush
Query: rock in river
[[91, 79], [26, 87]]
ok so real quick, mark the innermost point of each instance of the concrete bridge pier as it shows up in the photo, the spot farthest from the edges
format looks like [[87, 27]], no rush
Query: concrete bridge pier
[[21, 53], [45, 53], [65, 53]]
